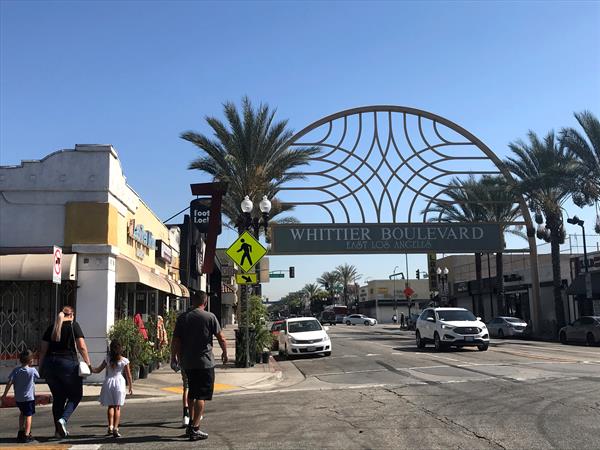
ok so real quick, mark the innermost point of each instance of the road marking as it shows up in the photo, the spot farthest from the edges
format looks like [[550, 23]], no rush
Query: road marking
[[561, 349], [219, 387], [83, 447], [441, 357], [373, 354], [348, 372]]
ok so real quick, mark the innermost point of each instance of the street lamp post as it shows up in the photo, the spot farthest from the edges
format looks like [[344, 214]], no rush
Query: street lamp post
[[395, 298], [588, 280], [442, 278], [245, 222]]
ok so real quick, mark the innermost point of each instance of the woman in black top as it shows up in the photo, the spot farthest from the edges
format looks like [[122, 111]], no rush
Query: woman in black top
[[60, 366]]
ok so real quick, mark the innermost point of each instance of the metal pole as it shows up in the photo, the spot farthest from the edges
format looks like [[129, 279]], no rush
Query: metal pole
[[490, 286], [247, 330], [588, 277], [55, 299]]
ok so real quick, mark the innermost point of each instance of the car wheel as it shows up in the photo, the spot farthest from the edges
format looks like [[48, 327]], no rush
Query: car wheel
[[437, 342], [420, 343], [589, 339], [280, 351], [367, 323], [348, 322], [563, 337], [501, 333], [372, 324], [327, 353], [482, 347]]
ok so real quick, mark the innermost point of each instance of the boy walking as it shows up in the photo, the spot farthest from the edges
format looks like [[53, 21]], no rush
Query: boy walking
[[23, 378]]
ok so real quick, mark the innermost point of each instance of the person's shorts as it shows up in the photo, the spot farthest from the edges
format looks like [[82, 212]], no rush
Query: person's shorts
[[27, 408], [184, 379], [201, 383]]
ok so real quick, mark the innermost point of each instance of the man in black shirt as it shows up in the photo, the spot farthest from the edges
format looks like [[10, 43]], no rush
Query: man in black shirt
[[191, 349]]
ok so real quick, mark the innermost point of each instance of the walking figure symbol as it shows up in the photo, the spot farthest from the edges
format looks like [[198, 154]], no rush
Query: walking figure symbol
[[246, 248]]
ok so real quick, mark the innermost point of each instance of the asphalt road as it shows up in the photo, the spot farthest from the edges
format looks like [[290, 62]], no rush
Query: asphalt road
[[378, 391]]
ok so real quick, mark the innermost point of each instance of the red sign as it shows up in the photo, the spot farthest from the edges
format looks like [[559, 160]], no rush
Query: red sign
[[408, 291]]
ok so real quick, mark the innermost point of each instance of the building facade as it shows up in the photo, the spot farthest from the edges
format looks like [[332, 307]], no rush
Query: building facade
[[119, 259]]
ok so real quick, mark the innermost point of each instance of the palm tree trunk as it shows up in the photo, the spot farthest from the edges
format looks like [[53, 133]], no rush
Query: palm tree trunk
[[557, 279], [480, 310], [500, 283]]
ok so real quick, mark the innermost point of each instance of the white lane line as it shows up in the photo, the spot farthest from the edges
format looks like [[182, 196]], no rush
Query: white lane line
[[441, 357], [564, 349], [373, 354], [85, 446], [348, 372]]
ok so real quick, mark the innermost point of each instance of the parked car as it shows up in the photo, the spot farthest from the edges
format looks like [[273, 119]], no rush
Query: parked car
[[447, 327], [303, 336], [353, 319], [585, 329], [503, 326], [327, 317], [275, 329]]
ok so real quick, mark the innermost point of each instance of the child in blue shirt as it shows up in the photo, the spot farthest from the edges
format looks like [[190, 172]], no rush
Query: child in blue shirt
[[23, 378]]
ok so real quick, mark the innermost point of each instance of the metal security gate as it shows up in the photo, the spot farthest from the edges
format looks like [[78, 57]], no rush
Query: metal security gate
[[26, 310]]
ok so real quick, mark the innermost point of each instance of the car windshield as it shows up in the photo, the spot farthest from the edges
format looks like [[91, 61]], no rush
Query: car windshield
[[513, 320], [303, 326], [451, 315]]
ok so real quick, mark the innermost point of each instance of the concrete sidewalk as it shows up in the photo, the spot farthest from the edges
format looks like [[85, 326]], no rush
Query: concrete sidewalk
[[166, 383]]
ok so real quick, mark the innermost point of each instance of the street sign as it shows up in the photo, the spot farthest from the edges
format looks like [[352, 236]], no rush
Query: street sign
[[246, 251], [276, 275], [408, 291], [57, 264], [246, 278]]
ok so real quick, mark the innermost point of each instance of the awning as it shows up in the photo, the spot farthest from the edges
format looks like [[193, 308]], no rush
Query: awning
[[129, 271], [34, 267], [577, 287]]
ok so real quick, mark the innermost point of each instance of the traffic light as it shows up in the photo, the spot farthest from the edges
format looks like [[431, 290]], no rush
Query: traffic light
[[418, 274], [292, 271]]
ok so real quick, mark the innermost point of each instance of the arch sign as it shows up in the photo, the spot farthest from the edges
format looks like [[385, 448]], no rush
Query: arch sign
[[310, 239], [382, 176]]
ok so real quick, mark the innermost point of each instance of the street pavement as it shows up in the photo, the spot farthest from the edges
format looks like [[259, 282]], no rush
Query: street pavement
[[377, 390]]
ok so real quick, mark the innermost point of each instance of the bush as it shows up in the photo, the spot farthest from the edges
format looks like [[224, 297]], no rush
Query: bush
[[134, 344], [258, 318]]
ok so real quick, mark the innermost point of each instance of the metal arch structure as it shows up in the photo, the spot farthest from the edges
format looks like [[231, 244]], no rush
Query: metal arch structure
[[373, 158]]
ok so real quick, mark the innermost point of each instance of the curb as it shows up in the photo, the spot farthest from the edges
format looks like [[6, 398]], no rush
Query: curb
[[40, 399], [275, 368]]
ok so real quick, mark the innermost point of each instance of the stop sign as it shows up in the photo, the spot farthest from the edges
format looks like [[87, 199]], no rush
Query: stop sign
[[408, 291]]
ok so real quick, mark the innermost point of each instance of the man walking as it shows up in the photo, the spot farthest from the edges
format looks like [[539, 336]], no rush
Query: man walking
[[191, 349]]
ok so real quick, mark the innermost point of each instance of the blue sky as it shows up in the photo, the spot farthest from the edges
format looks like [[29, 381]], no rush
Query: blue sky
[[137, 74]]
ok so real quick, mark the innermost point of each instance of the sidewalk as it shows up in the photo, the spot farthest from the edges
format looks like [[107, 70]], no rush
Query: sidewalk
[[166, 383]]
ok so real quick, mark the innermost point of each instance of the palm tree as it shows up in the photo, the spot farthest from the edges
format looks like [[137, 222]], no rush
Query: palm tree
[[587, 154], [347, 274], [501, 208], [464, 205], [312, 291], [251, 153], [330, 281], [545, 172]]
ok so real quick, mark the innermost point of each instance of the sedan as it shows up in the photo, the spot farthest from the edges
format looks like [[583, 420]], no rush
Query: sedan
[[507, 326], [303, 336], [585, 329], [353, 319]]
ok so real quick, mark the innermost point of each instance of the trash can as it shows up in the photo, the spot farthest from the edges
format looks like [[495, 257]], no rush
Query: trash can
[[240, 347]]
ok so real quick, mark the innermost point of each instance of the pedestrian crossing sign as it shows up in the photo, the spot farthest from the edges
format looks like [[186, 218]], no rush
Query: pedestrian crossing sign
[[246, 278], [246, 251]]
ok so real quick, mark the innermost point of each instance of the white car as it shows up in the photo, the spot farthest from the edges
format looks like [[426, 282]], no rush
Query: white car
[[353, 319], [304, 336], [447, 327], [507, 326]]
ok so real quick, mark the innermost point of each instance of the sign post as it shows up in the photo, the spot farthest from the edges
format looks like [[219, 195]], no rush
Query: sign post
[[56, 273]]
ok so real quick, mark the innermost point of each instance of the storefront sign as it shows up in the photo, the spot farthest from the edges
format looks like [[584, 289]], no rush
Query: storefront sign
[[432, 271], [320, 239], [200, 214], [163, 251], [141, 235]]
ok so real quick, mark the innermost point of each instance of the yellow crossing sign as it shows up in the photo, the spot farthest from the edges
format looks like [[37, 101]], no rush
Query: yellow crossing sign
[[246, 251], [246, 278]]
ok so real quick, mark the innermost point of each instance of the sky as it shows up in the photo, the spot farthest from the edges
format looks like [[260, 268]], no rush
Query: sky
[[137, 74]]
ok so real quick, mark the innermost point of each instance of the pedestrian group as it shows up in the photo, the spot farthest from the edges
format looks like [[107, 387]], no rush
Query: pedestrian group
[[191, 352]]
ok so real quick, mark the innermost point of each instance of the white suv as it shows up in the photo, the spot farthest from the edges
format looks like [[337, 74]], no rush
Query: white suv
[[447, 327]]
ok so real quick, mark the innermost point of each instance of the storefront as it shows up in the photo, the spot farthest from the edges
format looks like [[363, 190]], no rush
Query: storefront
[[119, 258]]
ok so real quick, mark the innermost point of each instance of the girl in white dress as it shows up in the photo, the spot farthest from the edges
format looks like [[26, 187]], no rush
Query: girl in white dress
[[113, 391]]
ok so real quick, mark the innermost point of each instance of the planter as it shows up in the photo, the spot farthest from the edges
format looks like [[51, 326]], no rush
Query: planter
[[150, 368], [265, 357], [135, 372], [143, 372]]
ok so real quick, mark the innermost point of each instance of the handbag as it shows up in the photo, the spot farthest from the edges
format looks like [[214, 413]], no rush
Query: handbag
[[83, 370]]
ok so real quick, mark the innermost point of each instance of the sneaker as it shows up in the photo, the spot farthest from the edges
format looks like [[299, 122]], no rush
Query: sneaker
[[116, 433], [29, 439], [21, 436], [109, 431], [197, 435], [188, 431], [185, 421], [62, 427]]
